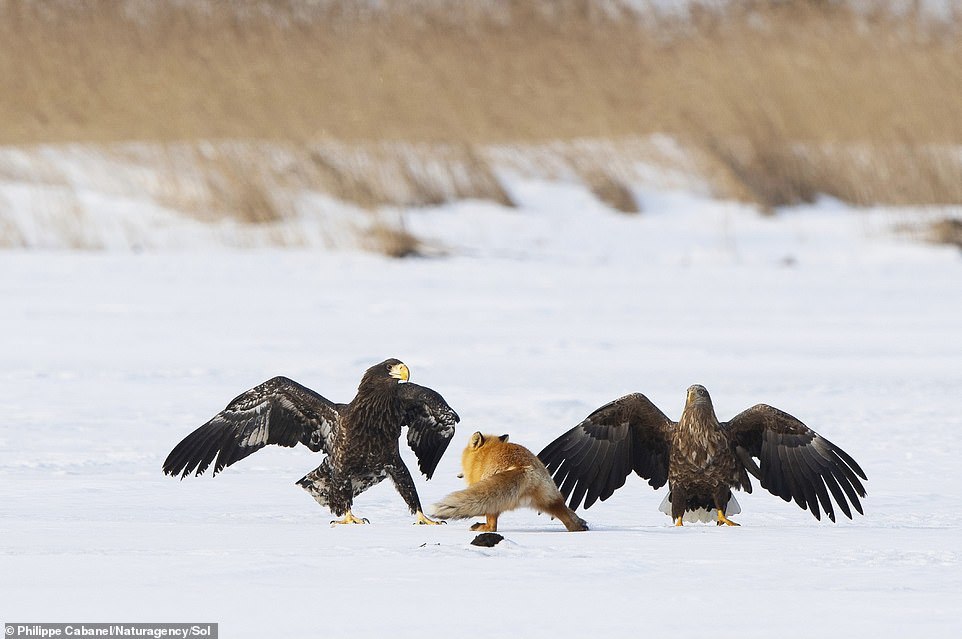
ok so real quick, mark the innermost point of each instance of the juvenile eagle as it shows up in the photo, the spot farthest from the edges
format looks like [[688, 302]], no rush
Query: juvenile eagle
[[360, 439], [701, 459]]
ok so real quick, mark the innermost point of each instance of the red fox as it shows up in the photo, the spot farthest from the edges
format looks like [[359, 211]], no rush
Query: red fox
[[503, 476]]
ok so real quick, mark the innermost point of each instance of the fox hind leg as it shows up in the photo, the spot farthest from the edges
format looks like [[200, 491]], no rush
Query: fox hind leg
[[490, 524], [560, 511]]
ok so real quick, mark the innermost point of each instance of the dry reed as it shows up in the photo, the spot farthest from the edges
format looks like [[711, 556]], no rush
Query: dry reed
[[785, 100]]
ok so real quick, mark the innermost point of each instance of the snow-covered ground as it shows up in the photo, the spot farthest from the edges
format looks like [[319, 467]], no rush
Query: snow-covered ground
[[537, 316]]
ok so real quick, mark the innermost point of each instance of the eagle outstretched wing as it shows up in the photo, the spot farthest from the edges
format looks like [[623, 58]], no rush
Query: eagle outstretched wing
[[279, 411], [795, 461], [593, 459], [430, 422]]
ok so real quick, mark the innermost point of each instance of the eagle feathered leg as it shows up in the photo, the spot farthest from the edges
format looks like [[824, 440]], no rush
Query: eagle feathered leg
[[338, 493], [320, 484], [405, 486], [679, 502], [721, 504]]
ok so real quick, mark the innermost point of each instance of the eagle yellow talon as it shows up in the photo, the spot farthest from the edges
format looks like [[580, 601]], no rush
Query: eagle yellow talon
[[424, 520], [349, 518], [722, 519], [678, 521]]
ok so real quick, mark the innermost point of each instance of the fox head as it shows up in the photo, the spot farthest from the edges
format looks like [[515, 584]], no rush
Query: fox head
[[479, 439]]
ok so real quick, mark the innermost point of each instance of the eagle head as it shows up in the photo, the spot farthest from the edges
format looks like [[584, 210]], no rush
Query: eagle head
[[698, 394], [388, 369], [397, 369], [699, 412], [388, 372]]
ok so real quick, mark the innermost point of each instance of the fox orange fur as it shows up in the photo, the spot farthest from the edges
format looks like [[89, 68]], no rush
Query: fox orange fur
[[503, 476]]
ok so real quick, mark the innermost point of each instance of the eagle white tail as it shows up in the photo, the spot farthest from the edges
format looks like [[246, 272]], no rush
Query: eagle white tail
[[704, 515]]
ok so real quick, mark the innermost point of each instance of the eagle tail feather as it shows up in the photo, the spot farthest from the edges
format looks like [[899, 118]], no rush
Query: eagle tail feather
[[704, 515]]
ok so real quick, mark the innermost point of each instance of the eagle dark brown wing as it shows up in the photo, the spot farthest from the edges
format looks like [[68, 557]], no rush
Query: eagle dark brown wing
[[430, 422], [795, 461], [593, 459], [279, 411]]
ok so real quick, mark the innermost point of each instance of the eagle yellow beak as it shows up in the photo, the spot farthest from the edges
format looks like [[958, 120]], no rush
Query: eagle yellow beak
[[401, 372]]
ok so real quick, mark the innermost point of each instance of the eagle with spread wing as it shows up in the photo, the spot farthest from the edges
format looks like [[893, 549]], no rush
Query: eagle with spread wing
[[359, 439], [703, 459]]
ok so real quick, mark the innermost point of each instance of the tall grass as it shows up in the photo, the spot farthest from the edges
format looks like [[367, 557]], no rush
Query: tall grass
[[783, 100]]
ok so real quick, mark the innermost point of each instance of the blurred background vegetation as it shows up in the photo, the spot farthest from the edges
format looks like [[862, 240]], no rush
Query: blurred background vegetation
[[775, 101]]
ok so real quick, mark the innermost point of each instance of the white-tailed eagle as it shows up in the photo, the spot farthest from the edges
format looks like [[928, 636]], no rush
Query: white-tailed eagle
[[703, 459]]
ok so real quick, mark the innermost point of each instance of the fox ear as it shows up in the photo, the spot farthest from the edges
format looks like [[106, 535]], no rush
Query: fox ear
[[504, 437], [476, 440]]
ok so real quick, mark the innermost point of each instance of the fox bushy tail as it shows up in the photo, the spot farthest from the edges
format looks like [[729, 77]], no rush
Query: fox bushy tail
[[515, 488], [490, 496]]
